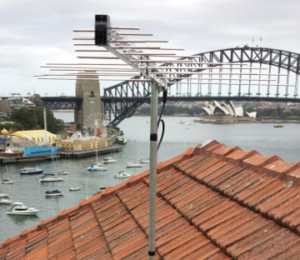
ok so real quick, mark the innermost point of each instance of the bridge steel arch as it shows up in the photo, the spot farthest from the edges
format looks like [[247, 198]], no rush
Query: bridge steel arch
[[122, 100]]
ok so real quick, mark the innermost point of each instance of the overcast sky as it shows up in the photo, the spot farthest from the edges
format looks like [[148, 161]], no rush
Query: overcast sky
[[36, 32]]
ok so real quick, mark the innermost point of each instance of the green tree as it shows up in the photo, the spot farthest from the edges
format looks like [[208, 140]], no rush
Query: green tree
[[25, 117], [33, 118]]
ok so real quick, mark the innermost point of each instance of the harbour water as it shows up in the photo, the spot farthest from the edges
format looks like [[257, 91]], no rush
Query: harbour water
[[267, 140]]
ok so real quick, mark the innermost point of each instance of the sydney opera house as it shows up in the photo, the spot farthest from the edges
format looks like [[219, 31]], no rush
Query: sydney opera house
[[225, 112], [226, 109]]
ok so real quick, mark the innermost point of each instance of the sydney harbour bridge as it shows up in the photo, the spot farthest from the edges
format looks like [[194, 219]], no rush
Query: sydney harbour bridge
[[275, 72]]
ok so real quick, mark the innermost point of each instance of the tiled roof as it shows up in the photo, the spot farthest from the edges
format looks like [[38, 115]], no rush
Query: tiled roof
[[213, 202]]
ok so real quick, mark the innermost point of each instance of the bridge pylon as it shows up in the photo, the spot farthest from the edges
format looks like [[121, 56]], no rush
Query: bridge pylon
[[90, 112]]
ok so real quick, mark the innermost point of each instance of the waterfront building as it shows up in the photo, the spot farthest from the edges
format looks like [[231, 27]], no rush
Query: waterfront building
[[224, 108], [212, 202], [78, 142], [9, 105], [225, 113]]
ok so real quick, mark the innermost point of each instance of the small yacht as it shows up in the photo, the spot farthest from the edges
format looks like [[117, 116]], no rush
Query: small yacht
[[95, 167], [18, 208], [109, 160], [62, 173], [53, 193], [144, 160], [5, 199], [122, 175], [7, 181], [75, 188], [31, 170], [50, 177], [134, 165]]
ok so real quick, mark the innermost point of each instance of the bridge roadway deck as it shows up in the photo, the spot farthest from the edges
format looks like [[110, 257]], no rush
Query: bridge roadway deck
[[178, 98]]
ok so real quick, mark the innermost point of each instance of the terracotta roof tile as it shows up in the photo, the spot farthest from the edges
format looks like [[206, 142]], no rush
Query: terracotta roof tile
[[281, 241], [295, 173], [259, 160], [208, 144], [279, 166], [240, 155], [253, 240], [212, 202], [217, 172], [224, 150], [286, 208], [206, 252]]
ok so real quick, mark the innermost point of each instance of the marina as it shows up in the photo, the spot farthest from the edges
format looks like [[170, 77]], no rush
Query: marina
[[61, 154]]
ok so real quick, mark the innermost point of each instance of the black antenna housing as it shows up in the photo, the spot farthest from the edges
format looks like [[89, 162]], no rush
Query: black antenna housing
[[102, 25]]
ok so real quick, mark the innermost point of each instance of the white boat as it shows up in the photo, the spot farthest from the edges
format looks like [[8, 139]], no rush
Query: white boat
[[31, 170], [95, 167], [50, 177], [18, 208], [109, 160], [75, 188], [62, 173], [121, 140], [122, 175], [144, 160], [53, 193], [134, 165], [5, 199]]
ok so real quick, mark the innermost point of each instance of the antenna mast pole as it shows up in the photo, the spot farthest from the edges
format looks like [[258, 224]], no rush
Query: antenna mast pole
[[102, 38]]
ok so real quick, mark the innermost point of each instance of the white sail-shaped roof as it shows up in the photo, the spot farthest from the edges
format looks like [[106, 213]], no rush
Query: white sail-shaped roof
[[239, 111], [228, 108], [222, 109], [251, 114]]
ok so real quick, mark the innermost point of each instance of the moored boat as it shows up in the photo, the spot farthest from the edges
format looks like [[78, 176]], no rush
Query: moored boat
[[121, 140], [75, 188], [134, 165], [7, 181], [109, 160], [122, 175], [50, 177], [5, 198], [31, 170], [18, 208], [95, 167], [144, 160], [53, 193], [62, 173]]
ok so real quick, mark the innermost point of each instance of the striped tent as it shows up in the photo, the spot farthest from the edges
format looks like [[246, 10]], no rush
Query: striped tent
[[39, 137]]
